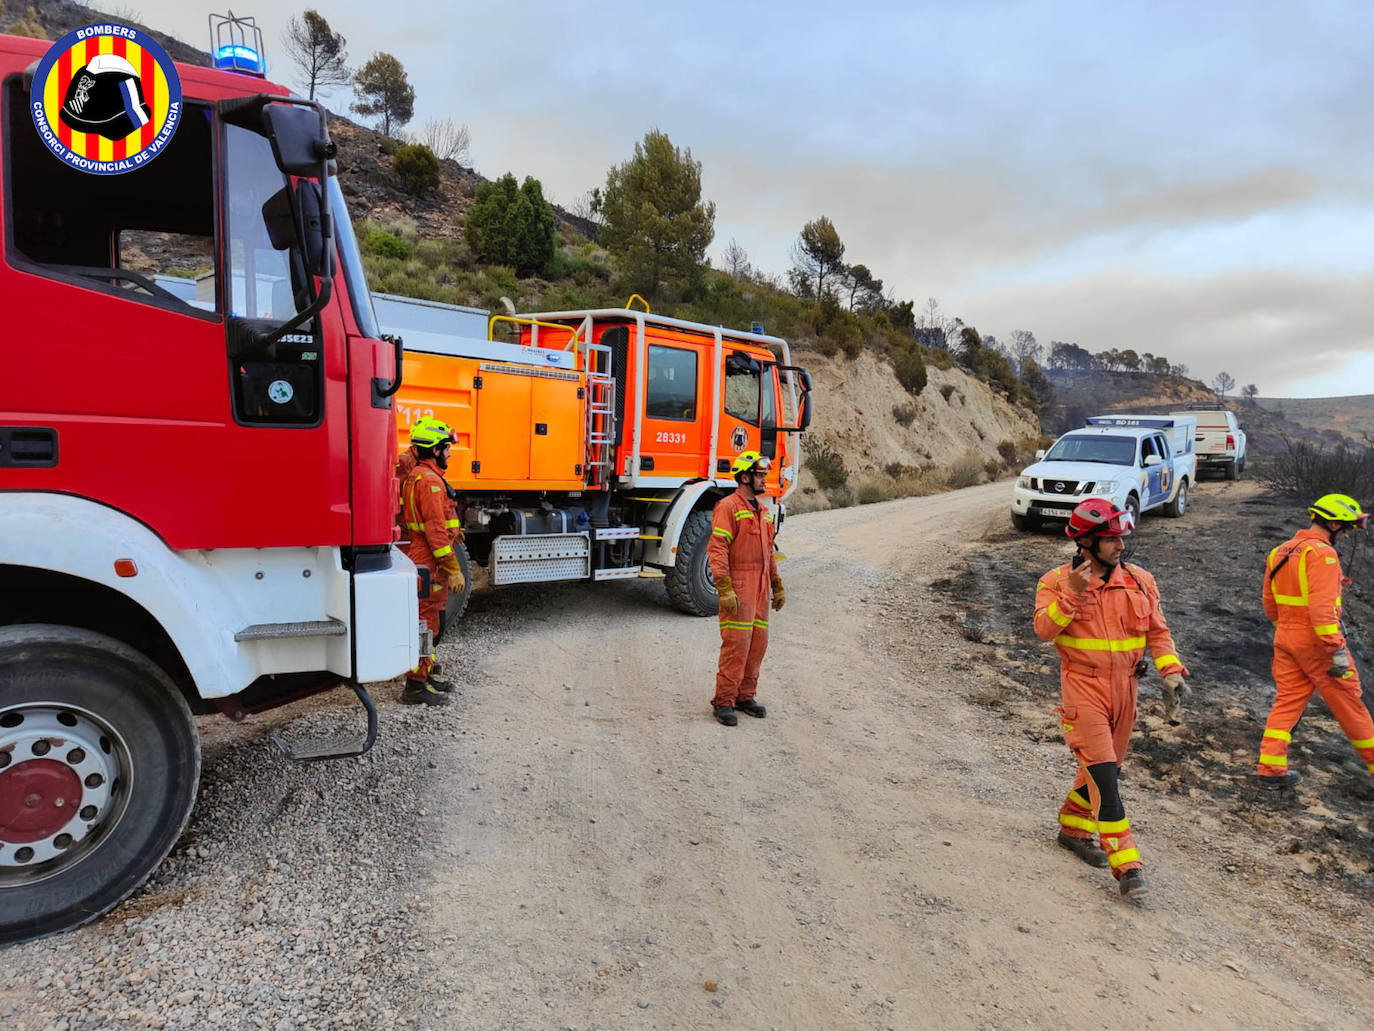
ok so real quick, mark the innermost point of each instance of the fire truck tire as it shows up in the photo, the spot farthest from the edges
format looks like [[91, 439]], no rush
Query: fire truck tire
[[690, 586], [457, 603], [101, 761]]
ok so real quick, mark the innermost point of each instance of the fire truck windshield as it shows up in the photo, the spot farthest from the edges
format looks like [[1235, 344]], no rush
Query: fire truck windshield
[[352, 261]]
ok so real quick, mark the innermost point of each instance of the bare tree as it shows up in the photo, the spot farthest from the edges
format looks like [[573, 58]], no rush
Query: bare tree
[[735, 261], [1249, 392], [449, 140], [1022, 346], [587, 206], [1223, 382], [320, 53], [934, 328]]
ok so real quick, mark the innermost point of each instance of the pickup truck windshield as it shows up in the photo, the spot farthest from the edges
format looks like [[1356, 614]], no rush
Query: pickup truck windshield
[[1108, 450]]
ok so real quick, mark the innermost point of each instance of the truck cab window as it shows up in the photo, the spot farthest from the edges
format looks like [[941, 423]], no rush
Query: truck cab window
[[742, 395], [265, 283], [671, 390], [146, 234]]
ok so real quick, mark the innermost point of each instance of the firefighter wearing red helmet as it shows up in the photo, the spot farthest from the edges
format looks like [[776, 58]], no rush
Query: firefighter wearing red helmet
[[1102, 614], [746, 572]]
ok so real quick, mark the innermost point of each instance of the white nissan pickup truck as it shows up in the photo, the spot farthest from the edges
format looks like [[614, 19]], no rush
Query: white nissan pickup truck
[[1140, 462]]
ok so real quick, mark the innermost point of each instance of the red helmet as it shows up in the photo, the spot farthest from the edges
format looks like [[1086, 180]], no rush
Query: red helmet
[[1098, 517]]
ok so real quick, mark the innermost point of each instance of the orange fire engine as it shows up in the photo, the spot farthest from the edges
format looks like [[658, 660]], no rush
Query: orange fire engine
[[593, 445]]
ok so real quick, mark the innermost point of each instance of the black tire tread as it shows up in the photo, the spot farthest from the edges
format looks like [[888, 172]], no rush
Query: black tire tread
[[696, 534]]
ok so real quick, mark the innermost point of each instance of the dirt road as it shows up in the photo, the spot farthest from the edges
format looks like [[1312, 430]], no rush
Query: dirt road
[[877, 853], [576, 843]]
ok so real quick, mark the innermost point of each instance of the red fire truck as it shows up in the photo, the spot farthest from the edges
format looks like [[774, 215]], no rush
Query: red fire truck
[[196, 486]]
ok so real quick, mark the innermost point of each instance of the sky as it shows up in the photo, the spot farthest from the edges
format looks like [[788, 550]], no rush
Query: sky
[[1189, 180]]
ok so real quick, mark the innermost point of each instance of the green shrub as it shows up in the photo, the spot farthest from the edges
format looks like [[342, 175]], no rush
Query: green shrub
[[910, 369], [904, 414], [871, 493], [946, 390], [385, 245], [966, 471], [417, 168], [512, 225], [826, 465]]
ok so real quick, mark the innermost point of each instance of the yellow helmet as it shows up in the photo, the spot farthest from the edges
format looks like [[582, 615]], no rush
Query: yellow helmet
[[750, 461], [1339, 508], [429, 432]]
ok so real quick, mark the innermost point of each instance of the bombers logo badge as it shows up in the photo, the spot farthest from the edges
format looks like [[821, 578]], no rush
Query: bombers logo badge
[[739, 439], [106, 99]]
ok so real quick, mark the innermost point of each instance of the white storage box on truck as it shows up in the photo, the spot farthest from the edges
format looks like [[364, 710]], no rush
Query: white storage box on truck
[[1219, 440], [1140, 462]]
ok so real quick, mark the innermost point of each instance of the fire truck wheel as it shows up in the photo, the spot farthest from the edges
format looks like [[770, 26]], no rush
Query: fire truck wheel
[[99, 762], [457, 603], [690, 586]]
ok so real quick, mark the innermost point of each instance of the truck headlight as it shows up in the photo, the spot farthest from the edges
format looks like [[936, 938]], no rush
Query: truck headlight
[[1023, 482], [1106, 487]]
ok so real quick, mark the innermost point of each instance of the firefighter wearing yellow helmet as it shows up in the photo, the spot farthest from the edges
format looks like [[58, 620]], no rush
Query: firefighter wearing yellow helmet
[[745, 569], [1302, 598]]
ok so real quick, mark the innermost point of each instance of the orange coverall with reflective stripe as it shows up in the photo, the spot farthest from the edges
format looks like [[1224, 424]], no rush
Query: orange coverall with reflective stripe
[[1101, 635], [427, 512], [1303, 601], [742, 548]]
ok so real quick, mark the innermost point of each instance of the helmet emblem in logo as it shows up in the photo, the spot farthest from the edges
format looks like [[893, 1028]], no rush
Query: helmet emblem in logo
[[739, 439], [106, 99]]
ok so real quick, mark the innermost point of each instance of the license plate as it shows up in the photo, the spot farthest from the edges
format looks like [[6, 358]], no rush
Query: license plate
[[1045, 510]]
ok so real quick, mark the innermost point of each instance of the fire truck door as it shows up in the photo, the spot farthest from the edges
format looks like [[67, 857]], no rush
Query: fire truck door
[[749, 412]]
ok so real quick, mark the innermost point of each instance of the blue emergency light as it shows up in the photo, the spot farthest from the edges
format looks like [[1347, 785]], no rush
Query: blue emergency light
[[237, 58], [236, 44]]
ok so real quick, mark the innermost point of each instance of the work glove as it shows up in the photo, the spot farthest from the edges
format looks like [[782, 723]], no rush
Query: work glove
[[779, 595], [1340, 665], [729, 601], [1176, 692], [456, 581]]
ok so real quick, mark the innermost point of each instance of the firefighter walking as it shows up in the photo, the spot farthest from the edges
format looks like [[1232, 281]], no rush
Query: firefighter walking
[[1102, 614], [1302, 598], [746, 571], [429, 516]]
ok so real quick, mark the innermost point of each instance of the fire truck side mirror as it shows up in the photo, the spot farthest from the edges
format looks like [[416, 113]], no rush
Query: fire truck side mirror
[[280, 215], [300, 140], [800, 378]]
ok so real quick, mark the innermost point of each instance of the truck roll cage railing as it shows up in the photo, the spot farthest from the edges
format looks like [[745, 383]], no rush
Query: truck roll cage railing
[[583, 332]]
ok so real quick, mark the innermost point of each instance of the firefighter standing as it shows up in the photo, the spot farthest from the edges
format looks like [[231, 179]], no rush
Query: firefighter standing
[[1302, 597], [1101, 614], [745, 568], [428, 514]]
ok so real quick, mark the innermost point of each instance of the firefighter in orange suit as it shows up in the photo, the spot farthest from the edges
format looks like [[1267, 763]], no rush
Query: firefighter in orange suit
[[745, 569], [1102, 614], [428, 515], [1302, 597]]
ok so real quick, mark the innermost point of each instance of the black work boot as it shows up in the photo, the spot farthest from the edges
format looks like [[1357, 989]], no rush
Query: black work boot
[[1084, 849], [1132, 886], [1288, 780], [421, 692], [752, 707], [726, 714], [439, 685]]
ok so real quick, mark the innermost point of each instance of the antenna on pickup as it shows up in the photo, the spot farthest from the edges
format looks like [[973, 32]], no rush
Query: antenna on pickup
[[236, 45]]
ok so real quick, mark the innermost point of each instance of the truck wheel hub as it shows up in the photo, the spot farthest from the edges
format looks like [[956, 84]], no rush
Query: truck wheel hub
[[61, 782]]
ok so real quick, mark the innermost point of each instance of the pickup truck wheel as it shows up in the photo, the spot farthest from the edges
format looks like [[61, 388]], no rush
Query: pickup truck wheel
[[1179, 503], [1133, 506], [99, 762], [1025, 522], [1231, 472], [691, 588]]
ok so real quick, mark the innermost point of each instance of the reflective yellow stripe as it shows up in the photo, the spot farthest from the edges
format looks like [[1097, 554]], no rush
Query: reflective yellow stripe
[[451, 523], [416, 526], [760, 624], [743, 514], [768, 517], [447, 549], [1282, 735], [1302, 574], [1273, 760], [1120, 826], [1166, 660], [1288, 599], [720, 532], [1098, 644], [1363, 743], [1079, 800], [1370, 766], [1077, 821], [1041, 586], [1057, 615], [729, 625], [1327, 628], [1126, 855], [433, 489]]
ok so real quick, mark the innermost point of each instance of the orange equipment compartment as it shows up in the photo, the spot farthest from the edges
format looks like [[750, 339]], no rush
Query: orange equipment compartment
[[518, 427]]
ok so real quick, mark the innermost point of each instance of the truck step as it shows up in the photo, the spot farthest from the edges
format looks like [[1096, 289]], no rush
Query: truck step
[[333, 749], [619, 573], [282, 631]]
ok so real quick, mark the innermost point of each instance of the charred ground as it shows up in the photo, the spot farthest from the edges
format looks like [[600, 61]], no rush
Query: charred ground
[[1207, 565]]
